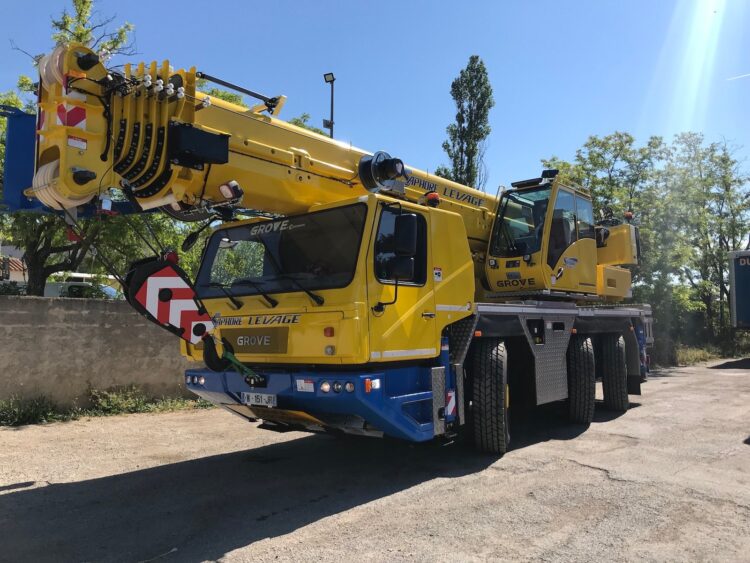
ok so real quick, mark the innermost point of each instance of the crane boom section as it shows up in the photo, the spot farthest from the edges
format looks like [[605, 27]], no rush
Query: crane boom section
[[149, 131]]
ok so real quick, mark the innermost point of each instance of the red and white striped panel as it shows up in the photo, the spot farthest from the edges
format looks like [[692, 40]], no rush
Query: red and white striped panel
[[71, 116], [450, 403], [180, 311]]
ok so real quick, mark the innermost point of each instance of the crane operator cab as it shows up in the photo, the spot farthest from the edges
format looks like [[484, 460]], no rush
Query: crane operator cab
[[545, 242]]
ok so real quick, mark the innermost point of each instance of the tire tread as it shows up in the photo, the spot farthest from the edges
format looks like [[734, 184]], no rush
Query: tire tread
[[489, 372], [614, 373], [581, 380]]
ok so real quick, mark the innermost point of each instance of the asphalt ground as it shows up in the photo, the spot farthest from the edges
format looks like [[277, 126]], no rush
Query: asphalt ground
[[667, 481]]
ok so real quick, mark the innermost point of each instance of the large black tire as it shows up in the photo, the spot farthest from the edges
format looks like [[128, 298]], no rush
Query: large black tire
[[489, 372], [581, 380], [614, 371]]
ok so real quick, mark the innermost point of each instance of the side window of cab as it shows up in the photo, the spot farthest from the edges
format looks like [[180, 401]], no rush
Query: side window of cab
[[585, 217], [385, 248], [563, 229]]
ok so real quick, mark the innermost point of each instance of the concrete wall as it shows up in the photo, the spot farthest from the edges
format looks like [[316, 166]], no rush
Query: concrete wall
[[61, 347]]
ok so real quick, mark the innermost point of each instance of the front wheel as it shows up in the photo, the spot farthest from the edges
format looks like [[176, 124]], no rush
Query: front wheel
[[490, 401]]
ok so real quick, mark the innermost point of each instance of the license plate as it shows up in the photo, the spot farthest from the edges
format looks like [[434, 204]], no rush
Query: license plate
[[259, 399]]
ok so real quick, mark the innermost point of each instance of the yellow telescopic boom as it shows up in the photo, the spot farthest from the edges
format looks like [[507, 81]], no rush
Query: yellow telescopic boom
[[150, 132]]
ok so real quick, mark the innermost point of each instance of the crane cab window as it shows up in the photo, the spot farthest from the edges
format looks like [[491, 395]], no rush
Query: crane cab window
[[520, 225], [584, 217], [384, 250], [563, 228]]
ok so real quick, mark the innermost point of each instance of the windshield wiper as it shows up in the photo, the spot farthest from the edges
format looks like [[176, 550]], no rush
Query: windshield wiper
[[236, 302], [257, 285], [283, 275], [314, 296], [507, 236]]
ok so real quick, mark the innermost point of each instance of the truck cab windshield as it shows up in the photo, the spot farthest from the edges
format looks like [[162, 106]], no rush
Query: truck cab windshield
[[303, 253], [520, 224]]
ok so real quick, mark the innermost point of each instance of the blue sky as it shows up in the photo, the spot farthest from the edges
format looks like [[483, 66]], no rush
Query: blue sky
[[560, 70]]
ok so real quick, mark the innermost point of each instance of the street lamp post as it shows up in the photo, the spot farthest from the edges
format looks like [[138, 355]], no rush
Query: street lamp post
[[328, 123]]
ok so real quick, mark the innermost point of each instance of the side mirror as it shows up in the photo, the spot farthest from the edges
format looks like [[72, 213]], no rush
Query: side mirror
[[400, 268], [405, 236], [190, 241], [192, 238]]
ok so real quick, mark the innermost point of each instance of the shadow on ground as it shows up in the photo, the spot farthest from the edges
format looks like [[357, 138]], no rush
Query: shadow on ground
[[661, 372], [533, 425], [209, 506], [203, 508], [744, 363]]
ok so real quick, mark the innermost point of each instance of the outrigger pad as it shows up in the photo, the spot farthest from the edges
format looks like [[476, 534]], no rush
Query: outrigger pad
[[161, 291]]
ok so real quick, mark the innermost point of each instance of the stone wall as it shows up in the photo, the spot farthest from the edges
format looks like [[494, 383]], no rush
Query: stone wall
[[62, 347]]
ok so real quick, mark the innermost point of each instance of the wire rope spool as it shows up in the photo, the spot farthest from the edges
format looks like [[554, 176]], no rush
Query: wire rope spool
[[44, 187], [51, 67]]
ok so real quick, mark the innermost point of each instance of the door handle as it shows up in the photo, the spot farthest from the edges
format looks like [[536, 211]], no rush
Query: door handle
[[428, 315]]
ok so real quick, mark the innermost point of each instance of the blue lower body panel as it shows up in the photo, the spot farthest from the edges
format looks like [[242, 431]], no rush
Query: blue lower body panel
[[396, 402]]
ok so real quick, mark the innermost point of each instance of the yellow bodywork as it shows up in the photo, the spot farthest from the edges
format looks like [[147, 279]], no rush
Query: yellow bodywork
[[410, 329], [620, 248], [574, 268], [613, 282]]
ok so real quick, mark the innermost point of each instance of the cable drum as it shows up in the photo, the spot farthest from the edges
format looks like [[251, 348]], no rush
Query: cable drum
[[51, 67], [44, 188]]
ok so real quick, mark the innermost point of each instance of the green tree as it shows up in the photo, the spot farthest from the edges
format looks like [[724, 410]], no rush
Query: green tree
[[80, 27], [231, 97], [568, 172], [472, 93], [302, 121], [692, 206], [43, 237], [715, 219]]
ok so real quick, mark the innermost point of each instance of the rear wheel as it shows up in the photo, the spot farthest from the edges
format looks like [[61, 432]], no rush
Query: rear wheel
[[614, 372], [581, 380], [489, 393]]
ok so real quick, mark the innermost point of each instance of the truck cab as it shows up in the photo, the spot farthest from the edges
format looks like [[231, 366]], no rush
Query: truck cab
[[337, 296]]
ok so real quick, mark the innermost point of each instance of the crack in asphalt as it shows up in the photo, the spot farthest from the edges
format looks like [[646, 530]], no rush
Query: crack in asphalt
[[608, 473]]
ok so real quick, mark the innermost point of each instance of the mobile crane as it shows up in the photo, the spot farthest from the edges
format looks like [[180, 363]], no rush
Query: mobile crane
[[371, 297]]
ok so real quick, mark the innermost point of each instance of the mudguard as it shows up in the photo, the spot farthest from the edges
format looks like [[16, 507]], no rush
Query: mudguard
[[162, 292]]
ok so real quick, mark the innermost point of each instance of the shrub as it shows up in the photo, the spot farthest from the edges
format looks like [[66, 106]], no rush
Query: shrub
[[688, 356], [127, 400]]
